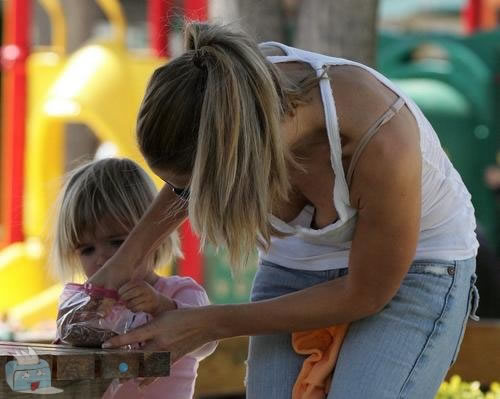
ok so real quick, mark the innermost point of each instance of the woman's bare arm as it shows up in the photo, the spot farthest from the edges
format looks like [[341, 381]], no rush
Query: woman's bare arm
[[160, 220]]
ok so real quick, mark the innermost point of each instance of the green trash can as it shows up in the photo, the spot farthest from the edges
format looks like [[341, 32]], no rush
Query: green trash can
[[455, 82]]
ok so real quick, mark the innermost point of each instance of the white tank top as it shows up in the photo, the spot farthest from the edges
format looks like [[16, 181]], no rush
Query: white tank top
[[447, 217]]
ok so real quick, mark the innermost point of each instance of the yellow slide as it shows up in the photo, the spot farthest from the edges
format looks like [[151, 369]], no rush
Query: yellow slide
[[100, 85]]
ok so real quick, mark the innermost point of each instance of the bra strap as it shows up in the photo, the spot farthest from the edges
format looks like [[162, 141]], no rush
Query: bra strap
[[386, 117]]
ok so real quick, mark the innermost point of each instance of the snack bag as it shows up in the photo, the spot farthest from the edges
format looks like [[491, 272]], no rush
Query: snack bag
[[89, 315]]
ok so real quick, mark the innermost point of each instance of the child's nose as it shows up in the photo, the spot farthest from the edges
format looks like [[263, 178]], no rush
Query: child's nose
[[102, 258]]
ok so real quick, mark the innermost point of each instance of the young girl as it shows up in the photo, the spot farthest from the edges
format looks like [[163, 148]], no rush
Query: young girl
[[99, 205]]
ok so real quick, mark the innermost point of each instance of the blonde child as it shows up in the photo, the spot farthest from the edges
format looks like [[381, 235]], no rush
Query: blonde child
[[99, 205]]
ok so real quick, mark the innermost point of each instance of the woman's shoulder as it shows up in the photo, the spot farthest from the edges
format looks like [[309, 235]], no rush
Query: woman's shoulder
[[359, 96], [360, 99]]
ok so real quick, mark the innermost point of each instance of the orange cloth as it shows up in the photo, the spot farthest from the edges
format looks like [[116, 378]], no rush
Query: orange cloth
[[323, 347]]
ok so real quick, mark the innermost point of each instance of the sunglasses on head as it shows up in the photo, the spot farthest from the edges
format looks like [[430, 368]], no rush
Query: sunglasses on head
[[180, 192]]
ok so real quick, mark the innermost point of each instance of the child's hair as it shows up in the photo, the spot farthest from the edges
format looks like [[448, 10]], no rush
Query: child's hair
[[115, 190]]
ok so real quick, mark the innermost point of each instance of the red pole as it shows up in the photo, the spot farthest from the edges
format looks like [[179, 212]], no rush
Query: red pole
[[196, 9], [15, 51], [471, 16], [158, 13], [192, 264]]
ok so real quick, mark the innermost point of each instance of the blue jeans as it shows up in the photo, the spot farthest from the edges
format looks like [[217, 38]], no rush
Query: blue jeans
[[404, 351]]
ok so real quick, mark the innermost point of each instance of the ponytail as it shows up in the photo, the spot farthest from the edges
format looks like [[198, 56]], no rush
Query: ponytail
[[214, 113]]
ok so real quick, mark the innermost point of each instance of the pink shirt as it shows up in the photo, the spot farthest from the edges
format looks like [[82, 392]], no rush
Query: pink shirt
[[180, 384]]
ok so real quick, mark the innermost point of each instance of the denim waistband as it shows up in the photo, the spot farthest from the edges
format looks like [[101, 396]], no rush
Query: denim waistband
[[435, 266]]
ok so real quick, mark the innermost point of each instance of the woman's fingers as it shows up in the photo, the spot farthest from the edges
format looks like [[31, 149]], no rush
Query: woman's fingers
[[150, 346], [140, 334]]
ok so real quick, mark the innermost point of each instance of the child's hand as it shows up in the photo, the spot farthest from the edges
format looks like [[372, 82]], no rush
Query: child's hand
[[139, 296]]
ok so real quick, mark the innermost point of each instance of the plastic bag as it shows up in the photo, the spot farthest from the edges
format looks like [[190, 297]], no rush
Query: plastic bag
[[89, 315]]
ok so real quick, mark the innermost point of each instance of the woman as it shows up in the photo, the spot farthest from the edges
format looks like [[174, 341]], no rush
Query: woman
[[340, 181]]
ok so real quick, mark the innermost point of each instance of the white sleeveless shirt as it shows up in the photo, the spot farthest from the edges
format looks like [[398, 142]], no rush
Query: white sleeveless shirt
[[447, 217]]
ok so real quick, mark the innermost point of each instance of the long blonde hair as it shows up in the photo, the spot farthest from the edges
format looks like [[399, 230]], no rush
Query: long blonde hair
[[214, 113], [111, 190]]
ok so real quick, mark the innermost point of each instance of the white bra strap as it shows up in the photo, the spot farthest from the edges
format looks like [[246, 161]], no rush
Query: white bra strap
[[386, 117]]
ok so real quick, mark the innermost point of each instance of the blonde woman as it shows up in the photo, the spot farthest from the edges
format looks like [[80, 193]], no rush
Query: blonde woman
[[99, 205], [340, 181]]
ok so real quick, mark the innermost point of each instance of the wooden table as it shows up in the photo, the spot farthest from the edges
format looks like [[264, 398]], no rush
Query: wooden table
[[81, 372]]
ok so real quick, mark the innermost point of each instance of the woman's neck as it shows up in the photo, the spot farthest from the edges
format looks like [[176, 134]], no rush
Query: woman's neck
[[306, 134]]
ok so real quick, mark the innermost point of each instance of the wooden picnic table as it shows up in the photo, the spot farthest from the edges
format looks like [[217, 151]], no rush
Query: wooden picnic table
[[82, 372]]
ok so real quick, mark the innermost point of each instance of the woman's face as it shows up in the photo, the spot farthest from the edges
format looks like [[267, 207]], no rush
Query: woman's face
[[179, 184]]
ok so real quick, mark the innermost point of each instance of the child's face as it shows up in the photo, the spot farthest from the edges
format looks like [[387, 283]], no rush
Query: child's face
[[97, 247]]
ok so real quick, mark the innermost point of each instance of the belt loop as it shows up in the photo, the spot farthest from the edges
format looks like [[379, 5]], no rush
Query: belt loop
[[475, 303]]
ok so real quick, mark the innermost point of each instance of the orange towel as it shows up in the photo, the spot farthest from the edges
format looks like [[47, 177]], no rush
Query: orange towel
[[323, 347]]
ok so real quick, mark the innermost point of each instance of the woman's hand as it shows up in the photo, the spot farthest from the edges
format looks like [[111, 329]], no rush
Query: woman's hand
[[139, 296], [180, 332]]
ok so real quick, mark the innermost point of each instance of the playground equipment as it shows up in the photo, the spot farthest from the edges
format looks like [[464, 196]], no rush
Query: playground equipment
[[87, 87], [14, 53], [455, 82], [100, 85], [22, 264]]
